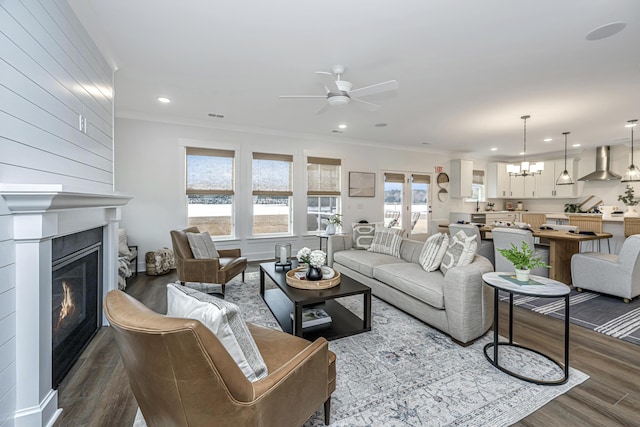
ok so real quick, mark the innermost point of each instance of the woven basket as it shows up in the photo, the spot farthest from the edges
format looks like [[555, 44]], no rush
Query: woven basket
[[294, 282]]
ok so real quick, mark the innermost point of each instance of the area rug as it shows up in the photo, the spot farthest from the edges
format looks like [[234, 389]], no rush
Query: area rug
[[601, 313], [404, 373]]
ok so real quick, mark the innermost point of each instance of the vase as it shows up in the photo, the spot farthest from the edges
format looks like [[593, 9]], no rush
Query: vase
[[522, 275], [314, 273], [331, 229], [631, 211]]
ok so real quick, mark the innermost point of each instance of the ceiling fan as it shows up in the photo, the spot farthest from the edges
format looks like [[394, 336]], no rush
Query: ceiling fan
[[339, 92]]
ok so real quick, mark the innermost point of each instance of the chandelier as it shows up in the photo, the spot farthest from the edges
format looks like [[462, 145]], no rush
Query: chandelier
[[525, 168], [632, 173]]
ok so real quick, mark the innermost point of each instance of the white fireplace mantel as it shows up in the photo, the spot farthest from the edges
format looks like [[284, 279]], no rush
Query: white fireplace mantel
[[40, 213], [30, 198]]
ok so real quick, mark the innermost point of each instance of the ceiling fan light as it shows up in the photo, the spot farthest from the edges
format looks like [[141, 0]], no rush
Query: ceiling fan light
[[338, 100]]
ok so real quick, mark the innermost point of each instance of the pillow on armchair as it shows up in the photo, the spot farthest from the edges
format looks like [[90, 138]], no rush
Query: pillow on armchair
[[202, 245], [224, 320]]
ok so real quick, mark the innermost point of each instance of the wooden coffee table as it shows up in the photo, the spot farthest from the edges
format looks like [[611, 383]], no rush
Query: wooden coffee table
[[284, 300]]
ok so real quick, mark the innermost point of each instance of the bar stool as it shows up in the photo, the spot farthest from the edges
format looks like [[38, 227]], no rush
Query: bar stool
[[589, 223]]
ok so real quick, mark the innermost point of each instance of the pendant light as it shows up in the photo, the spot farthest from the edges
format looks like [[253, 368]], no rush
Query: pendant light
[[565, 178], [525, 168], [632, 173]]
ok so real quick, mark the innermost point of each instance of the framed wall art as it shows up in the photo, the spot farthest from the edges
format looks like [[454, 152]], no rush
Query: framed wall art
[[362, 184]]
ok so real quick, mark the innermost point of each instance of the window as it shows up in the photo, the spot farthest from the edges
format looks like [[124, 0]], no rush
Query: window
[[323, 191], [420, 203], [210, 177], [272, 191], [477, 187]]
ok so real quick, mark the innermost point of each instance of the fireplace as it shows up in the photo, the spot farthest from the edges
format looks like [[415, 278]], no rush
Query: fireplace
[[75, 296]]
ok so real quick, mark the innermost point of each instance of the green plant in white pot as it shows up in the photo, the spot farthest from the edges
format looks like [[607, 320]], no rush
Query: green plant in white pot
[[523, 260]]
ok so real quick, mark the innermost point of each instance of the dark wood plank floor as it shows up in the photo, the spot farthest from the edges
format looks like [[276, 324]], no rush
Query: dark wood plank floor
[[96, 391]]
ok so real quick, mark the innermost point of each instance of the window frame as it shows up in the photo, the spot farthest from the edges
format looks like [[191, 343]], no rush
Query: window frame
[[275, 193], [332, 192]]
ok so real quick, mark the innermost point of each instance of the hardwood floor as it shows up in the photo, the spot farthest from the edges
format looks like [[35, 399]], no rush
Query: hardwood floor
[[96, 391]]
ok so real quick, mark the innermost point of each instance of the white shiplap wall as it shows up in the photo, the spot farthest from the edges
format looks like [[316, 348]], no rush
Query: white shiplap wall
[[50, 73]]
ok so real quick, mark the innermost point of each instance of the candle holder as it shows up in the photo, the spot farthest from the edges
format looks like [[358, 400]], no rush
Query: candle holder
[[283, 255]]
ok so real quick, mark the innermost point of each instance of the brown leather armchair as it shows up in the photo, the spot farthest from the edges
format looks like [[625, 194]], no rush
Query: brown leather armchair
[[181, 375], [215, 270]]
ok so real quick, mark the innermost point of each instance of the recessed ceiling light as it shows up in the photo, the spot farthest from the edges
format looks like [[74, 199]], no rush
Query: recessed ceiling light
[[494, 148], [342, 126], [606, 30], [380, 125], [164, 99], [576, 145], [521, 153], [548, 139]]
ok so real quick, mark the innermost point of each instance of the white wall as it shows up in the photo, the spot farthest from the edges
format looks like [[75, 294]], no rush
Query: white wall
[[150, 166], [51, 74]]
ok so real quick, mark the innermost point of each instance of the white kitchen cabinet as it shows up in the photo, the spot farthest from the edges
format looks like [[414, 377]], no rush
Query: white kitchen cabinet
[[461, 178], [497, 181], [547, 187]]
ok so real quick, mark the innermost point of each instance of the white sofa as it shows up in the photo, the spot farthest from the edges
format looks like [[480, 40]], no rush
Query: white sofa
[[458, 304]]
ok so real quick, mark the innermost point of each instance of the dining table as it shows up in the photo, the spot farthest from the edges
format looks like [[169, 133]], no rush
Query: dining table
[[562, 246]]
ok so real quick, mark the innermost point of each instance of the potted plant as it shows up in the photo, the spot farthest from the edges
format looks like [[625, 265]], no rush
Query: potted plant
[[523, 260], [628, 198], [335, 219]]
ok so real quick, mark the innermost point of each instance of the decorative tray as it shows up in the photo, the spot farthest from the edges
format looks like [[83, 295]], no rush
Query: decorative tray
[[294, 282]]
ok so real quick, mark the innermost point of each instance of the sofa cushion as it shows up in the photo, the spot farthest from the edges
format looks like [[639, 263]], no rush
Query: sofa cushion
[[202, 245], [224, 320], [411, 279], [363, 235], [433, 251], [386, 241], [364, 261], [461, 251]]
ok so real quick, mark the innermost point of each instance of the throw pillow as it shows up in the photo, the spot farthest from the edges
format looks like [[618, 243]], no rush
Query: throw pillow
[[363, 235], [386, 241], [433, 251], [224, 320], [123, 247], [202, 246], [461, 250]]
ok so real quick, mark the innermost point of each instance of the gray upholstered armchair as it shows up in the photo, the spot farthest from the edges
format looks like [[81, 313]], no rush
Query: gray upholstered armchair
[[617, 275], [504, 237]]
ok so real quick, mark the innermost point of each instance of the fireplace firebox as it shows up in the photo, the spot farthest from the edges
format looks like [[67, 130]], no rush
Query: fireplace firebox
[[76, 297]]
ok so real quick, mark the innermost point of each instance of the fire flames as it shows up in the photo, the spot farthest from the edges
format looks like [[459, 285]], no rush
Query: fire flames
[[67, 307]]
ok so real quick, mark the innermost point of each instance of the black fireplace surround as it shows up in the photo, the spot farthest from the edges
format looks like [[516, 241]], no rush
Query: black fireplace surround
[[76, 289]]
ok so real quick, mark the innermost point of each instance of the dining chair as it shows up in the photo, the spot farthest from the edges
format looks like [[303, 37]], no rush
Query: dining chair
[[631, 226], [504, 237], [589, 223], [535, 220]]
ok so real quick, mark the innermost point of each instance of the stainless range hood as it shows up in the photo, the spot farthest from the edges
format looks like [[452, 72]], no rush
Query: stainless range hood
[[603, 167]]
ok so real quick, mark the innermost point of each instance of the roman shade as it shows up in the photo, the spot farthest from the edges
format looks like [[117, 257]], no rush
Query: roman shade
[[323, 176], [210, 171], [272, 174]]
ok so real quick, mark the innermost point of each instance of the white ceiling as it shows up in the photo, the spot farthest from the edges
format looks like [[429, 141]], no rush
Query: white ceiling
[[467, 69]]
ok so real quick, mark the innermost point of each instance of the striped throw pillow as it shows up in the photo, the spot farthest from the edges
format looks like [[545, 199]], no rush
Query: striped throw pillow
[[433, 251], [386, 241]]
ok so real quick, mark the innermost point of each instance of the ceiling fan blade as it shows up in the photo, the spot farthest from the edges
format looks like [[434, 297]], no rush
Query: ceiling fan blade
[[302, 96], [331, 83], [323, 109], [367, 105], [375, 89]]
